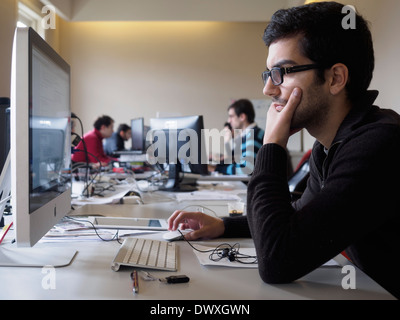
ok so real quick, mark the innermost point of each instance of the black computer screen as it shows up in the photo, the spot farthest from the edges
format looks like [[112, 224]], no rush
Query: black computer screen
[[49, 116], [4, 130], [138, 139], [179, 143], [177, 124]]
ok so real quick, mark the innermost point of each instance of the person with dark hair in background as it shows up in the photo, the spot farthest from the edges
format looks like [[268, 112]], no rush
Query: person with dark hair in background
[[318, 75], [117, 140], [241, 118], [103, 128], [226, 150]]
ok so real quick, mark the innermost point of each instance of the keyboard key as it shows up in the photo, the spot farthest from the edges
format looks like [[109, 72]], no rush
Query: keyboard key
[[146, 253]]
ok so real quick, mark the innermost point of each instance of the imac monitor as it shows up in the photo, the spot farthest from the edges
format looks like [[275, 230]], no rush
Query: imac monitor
[[178, 142], [138, 139], [4, 155], [4, 130], [40, 137], [5, 188]]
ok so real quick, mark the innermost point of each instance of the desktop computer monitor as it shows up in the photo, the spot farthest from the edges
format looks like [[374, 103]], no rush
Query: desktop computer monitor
[[138, 139], [178, 142], [4, 130], [40, 137], [5, 188], [4, 154]]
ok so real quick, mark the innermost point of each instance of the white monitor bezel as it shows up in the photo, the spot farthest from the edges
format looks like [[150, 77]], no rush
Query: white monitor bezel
[[29, 227]]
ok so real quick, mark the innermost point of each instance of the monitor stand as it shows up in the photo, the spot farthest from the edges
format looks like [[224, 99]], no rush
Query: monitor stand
[[173, 183], [13, 256], [38, 256]]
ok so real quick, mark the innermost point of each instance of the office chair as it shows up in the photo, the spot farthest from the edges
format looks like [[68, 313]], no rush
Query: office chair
[[298, 181]]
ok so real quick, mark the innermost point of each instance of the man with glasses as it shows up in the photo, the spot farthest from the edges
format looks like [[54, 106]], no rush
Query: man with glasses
[[318, 74]]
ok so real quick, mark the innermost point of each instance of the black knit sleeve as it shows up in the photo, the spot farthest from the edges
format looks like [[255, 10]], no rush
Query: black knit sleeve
[[236, 227]]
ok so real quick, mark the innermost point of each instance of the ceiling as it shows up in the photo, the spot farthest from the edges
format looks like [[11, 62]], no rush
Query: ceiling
[[169, 10]]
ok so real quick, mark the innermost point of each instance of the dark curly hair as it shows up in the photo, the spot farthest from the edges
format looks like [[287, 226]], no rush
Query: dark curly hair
[[103, 120]]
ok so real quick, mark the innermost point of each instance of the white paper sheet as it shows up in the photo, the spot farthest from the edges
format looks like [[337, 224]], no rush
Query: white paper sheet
[[108, 198], [204, 259]]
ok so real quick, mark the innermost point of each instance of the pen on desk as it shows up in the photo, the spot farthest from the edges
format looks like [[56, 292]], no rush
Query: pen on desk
[[5, 230], [135, 279]]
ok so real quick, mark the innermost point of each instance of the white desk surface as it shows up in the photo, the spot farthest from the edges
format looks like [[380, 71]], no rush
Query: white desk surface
[[90, 275]]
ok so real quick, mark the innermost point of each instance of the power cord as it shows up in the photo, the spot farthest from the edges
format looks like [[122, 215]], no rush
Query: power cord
[[74, 116]]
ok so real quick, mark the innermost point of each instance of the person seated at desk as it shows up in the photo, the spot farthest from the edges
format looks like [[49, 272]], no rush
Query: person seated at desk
[[241, 119], [318, 75], [103, 128], [117, 140], [227, 133]]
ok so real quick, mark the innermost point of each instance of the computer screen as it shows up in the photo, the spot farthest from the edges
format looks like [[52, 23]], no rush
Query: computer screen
[[138, 138], [5, 185], [4, 130], [178, 142], [40, 137]]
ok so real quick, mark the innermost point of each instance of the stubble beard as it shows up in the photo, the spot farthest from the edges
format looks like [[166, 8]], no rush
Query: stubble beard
[[312, 111]]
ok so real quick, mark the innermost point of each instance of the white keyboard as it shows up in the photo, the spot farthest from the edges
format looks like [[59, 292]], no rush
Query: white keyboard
[[146, 253]]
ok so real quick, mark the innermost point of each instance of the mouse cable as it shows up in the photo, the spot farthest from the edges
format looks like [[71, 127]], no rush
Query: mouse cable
[[115, 237], [225, 250]]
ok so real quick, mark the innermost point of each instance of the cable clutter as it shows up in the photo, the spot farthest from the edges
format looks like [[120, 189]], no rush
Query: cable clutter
[[225, 250]]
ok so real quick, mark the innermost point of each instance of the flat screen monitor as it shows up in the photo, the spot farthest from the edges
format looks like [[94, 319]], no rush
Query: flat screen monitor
[[4, 154], [178, 142], [5, 187], [138, 138], [40, 138], [4, 130]]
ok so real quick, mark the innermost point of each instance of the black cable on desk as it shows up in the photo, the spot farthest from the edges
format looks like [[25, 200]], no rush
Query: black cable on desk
[[225, 250], [115, 237]]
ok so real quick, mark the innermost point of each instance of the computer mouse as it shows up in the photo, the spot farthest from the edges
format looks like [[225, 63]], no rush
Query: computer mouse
[[174, 235], [132, 193]]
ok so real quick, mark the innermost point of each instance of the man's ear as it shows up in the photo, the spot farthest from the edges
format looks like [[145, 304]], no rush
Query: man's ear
[[338, 76]]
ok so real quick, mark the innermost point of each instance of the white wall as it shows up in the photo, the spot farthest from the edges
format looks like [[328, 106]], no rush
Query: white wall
[[8, 18], [385, 22], [132, 69]]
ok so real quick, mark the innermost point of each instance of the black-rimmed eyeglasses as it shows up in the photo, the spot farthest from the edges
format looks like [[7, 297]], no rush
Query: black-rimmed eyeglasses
[[277, 73]]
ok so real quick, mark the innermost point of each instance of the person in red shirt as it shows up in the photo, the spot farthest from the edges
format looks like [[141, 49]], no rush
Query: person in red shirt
[[103, 128]]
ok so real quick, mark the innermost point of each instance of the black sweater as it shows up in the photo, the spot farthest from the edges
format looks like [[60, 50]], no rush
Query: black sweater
[[351, 203]]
